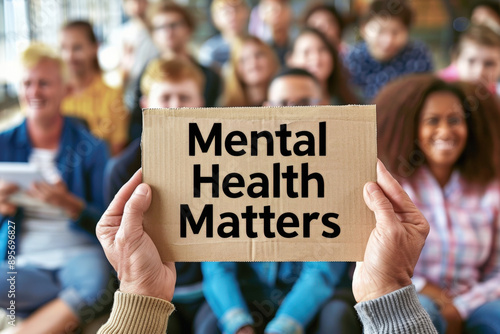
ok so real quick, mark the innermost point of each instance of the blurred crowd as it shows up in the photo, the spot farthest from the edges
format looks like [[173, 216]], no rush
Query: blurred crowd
[[438, 134]]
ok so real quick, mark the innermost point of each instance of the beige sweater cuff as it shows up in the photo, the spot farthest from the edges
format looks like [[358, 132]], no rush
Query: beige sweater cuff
[[132, 314]]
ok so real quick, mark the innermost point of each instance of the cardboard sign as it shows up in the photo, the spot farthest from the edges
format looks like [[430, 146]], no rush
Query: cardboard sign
[[259, 184]]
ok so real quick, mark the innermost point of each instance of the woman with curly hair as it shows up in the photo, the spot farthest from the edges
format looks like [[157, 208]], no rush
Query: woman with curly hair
[[441, 141]]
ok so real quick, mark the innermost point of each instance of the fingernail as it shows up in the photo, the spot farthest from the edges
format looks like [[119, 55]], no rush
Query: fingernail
[[141, 190]]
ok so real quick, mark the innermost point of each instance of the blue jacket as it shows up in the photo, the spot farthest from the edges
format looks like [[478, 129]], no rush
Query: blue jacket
[[298, 290], [81, 160]]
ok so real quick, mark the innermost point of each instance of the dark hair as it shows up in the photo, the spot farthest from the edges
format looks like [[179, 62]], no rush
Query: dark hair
[[338, 79], [163, 7], [478, 34], [319, 6], [88, 30], [398, 9], [491, 4], [398, 115], [294, 71]]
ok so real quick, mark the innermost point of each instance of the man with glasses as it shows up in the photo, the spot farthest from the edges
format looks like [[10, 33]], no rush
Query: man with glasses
[[172, 26]]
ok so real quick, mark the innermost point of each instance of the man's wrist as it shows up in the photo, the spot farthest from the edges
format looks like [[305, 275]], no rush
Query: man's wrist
[[383, 289], [137, 289]]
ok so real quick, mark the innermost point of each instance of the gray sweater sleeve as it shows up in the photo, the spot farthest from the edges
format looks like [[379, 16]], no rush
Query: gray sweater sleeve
[[397, 312]]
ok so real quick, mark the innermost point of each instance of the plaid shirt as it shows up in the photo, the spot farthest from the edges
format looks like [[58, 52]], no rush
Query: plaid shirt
[[462, 252]]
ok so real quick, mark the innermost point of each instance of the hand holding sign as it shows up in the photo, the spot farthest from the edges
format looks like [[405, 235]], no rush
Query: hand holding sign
[[129, 249], [394, 245]]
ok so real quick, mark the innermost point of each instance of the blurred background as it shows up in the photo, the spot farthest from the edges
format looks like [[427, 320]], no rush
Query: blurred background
[[23, 21]]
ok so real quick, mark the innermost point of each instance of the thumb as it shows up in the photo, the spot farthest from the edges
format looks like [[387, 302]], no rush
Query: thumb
[[134, 210], [378, 202]]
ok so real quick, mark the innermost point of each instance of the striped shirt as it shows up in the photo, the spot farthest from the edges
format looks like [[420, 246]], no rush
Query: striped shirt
[[462, 252]]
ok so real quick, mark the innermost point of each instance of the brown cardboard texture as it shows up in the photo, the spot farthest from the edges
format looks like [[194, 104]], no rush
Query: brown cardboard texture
[[259, 184]]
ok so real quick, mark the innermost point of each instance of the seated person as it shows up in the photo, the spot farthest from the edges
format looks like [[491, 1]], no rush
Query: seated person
[[230, 18], [89, 97], [386, 52], [61, 269], [325, 18], [277, 15], [174, 83], [172, 26], [442, 142], [252, 66], [273, 291], [312, 52], [476, 58]]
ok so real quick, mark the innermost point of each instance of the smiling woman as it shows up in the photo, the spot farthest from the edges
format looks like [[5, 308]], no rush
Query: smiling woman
[[441, 141]]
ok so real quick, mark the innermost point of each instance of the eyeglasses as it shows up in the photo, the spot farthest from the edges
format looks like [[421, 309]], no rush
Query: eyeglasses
[[170, 26], [301, 102]]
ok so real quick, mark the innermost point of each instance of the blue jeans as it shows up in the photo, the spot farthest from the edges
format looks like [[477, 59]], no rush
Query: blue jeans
[[336, 316], [484, 320], [79, 283]]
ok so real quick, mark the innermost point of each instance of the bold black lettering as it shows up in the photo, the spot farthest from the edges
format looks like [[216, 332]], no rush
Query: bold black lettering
[[281, 224], [195, 134], [254, 136], [335, 228], [249, 216], [226, 184], [289, 176], [308, 218], [306, 177], [266, 216], [230, 141], [263, 185], [322, 139], [234, 224], [198, 180], [206, 215], [309, 143], [276, 180], [283, 135]]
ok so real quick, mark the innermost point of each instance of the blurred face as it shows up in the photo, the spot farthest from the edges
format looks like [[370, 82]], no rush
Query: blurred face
[[442, 131], [254, 67], [311, 54], [276, 13], [42, 90], [486, 16], [478, 63], [77, 51], [170, 31], [293, 90], [325, 22], [385, 37], [231, 19], [135, 8], [181, 94]]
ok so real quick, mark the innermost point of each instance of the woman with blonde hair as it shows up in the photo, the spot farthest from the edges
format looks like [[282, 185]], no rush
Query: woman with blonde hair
[[252, 66]]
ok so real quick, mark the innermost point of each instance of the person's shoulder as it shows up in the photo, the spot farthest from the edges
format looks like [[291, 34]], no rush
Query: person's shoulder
[[79, 134], [357, 50], [9, 134], [416, 46]]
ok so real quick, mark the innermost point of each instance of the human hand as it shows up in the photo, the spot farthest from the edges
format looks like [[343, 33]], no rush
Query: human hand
[[246, 330], [129, 249], [7, 189], [395, 243], [58, 195]]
